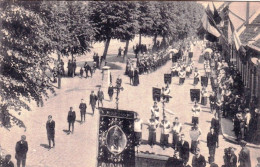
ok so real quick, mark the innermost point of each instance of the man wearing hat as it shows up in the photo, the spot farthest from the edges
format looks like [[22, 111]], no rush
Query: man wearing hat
[[21, 150], [198, 160], [50, 127], [244, 155]]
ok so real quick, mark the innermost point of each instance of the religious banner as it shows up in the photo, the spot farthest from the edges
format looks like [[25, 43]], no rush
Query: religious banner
[[156, 94], [116, 138], [167, 78], [195, 94]]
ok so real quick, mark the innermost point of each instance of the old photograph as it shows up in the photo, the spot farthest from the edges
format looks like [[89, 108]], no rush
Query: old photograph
[[129, 83]]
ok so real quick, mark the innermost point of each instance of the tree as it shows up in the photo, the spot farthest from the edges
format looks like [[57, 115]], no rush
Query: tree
[[24, 50], [113, 20]]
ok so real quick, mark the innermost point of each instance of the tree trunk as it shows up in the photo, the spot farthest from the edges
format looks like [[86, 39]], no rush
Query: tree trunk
[[72, 66], [126, 49], [140, 39], [154, 48], [59, 76], [106, 48]]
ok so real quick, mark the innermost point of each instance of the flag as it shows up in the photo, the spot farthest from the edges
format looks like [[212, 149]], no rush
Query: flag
[[235, 36], [209, 24], [216, 15]]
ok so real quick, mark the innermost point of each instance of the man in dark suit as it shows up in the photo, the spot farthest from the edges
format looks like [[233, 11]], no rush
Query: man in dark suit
[[21, 150], [212, 143], [198, 160], [83, 110], [100, 96], [92, 101], [183, 148], [50, 127], [71, 119]]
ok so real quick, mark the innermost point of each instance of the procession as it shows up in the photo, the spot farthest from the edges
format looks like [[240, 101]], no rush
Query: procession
[[183, 98]]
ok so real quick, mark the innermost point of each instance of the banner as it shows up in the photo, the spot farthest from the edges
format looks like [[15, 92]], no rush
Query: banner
[[167, 78], [116, 138], [195, 94], [156, 94]]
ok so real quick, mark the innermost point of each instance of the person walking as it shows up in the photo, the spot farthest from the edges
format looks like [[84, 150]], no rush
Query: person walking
[[71, 119], [155, 111], [136, 77], [176, 130], [83, 110], [100, 95], [21, 150], [138, 125], [212, 144], [92, 101], [110, 91], [195, 133], [198, 160], [195, 113], [152, 126], [244, 155], [50, 127], [165, 130], [184, 149], [196, 77]]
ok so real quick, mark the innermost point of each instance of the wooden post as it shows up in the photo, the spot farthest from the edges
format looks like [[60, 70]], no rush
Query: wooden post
[[247, 13]]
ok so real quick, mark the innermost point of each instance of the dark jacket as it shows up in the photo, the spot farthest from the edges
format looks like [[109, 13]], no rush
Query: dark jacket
[[244, 157], [7, 164], [184, 150], [71, 116], [21, 149], [110, 91], [215, 124], [198, 162], [230, 160], [92, 99], [100, 95], [174, 162], [212, 140], [83, 107], [50, 127]]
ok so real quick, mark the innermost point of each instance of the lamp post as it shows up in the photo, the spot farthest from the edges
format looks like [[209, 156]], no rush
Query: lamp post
[[118, 88]]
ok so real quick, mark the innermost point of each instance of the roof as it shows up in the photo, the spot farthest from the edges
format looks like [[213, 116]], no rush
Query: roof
[[250, 36]]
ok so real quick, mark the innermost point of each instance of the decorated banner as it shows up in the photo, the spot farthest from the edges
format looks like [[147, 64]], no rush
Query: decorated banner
[[116, 138], [195, 94], [168, 78], [156, 94]]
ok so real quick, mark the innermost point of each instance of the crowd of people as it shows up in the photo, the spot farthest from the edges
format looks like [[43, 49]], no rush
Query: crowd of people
[[214, 69]]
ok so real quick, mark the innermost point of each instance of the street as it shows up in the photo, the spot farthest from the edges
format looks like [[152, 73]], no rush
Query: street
[[80, 149]]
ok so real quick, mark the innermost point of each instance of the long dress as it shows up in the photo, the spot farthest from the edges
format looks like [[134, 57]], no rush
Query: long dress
[[136, 78]]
